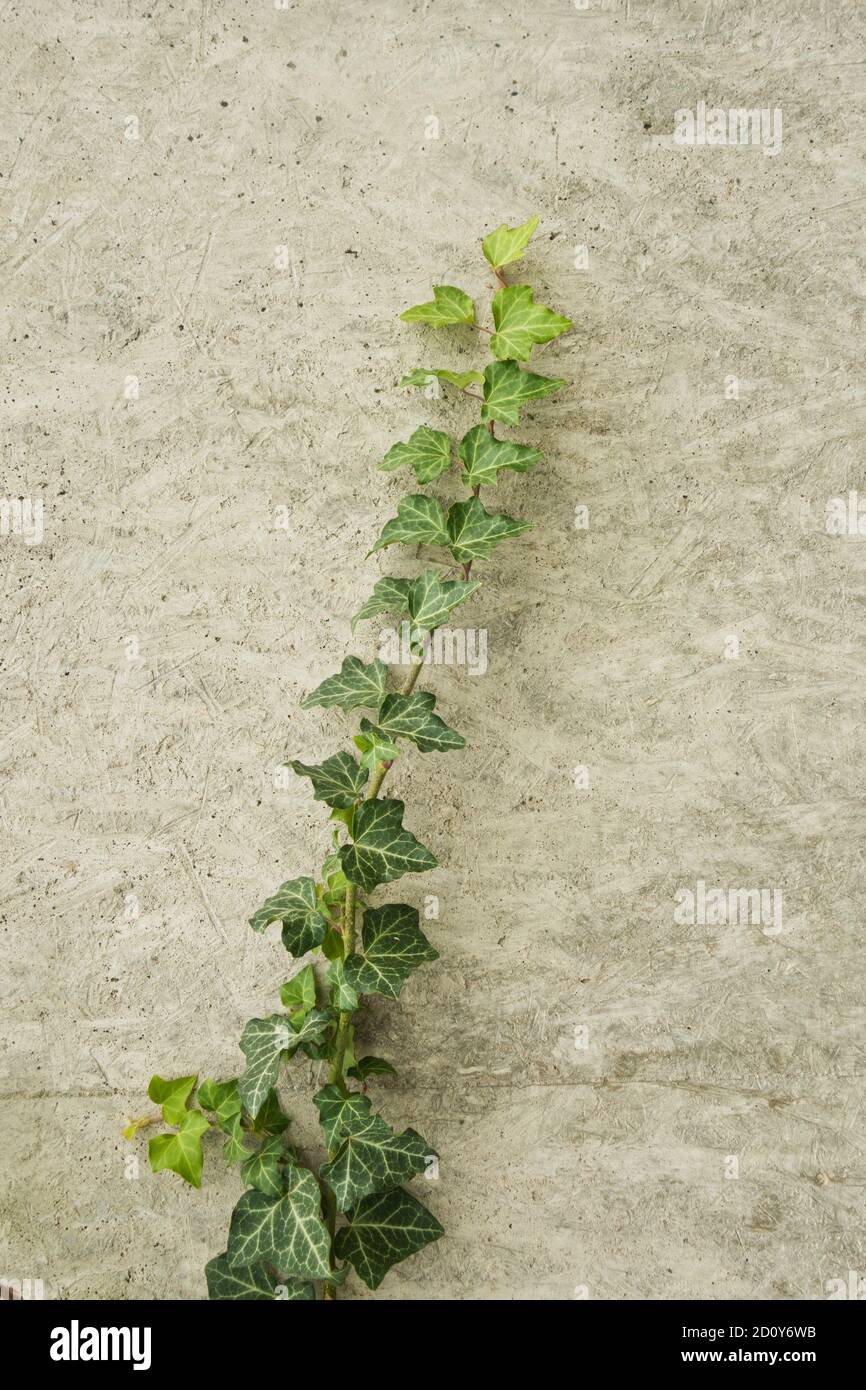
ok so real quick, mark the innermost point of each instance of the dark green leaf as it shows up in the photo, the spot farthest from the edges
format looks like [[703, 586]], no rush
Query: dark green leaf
[[264, 1169], [427, 452], [384, 1229], [388, 596], [343, 996], [382, 850], [225, 1281], [373, 1158], [371, 1066], [263, 1041], [338, 781], [355, 684], [432, 598], [473, 531], [394, 946], [483, 456], [507, 388], [296, 905], [340, 1113], [286, 1231], [412, 717], [420, 520]]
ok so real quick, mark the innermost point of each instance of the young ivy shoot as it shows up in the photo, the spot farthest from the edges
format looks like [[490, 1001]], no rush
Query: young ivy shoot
[[298, 1230]]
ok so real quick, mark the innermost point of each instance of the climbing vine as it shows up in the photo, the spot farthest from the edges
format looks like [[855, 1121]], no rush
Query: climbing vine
[[294, 1230]]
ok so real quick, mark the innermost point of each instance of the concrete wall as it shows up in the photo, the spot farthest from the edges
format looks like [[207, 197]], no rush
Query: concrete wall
[[717, 403]]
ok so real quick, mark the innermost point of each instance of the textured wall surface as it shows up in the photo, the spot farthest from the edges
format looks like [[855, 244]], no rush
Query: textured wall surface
[[587, 1065]]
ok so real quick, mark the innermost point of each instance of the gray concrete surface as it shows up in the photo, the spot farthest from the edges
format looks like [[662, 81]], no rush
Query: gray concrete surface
[[588, 1065]]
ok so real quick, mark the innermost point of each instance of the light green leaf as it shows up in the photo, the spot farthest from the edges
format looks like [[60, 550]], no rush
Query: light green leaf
[[343, 996], [225, 1281], [473, 531], [420, 520], [286, 1231], [181, 1152], [520, 323], [264, 1169], [394, 946], [508, 244], [382, 1230], [422, 376], [172, 1096], [294, 904], [427, 452], [412, 717], [340, 1112], [431, 598], [483, 456], [373, 1158], [448, 305], [507, 388], [355, 684], [374, 746], [371, 1066], [388, 596], [221, 1098], [382, 850], [300, 991], [338, 781]]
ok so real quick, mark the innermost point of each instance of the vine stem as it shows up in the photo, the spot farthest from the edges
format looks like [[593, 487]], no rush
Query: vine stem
[[341, 1041]]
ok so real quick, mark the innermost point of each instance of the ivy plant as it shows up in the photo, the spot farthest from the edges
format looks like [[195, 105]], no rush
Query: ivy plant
[[296, 1231]]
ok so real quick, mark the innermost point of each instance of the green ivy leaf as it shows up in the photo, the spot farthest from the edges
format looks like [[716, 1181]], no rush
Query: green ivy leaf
[[181, 1152], [172, 1096], [483, 456], [507, 388], [375, 747], [427, 452], [382, 1230], [448, 305], [343, 996], [373, 1158], [412, 717], [296, 905], [388, 596], [508, 244], [338, 781], [420, 520], [225, 1281], [473, 531], [340, 1112], [382, 850], [270, 1119], [299, 993], [394, 946], [520, 323], [431, 598], [285, 1231], [354, 684], [264, 1169], [221, 1098], [371, 1066], [422, 376], [263, 1042]]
